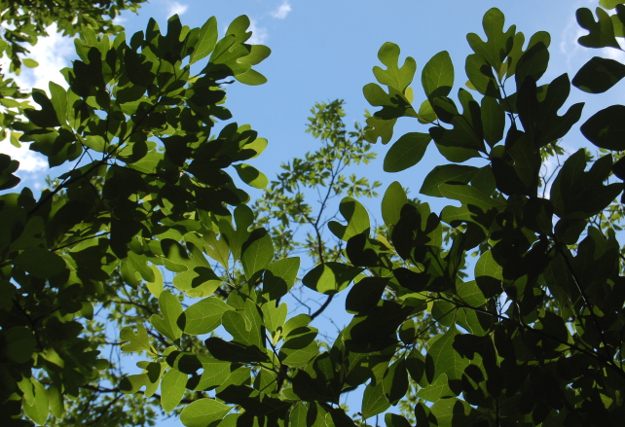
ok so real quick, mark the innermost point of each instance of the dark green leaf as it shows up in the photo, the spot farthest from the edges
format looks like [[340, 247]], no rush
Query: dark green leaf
[[40, 262], [606, 128], [599, 74], [406, 152]]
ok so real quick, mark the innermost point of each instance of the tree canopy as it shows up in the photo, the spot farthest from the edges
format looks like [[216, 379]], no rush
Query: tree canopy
[[503, 309]]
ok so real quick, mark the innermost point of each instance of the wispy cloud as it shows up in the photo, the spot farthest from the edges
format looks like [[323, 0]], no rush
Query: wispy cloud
[[259, 34], [176, 8], [282, 11]]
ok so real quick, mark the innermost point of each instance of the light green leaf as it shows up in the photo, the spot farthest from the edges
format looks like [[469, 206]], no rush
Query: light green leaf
[[252, 78], [471, 293], [251, 176], [394, 199], [273, 316], [156, 286], [56, 402], [437, 390], [280, 277], [297, 414], [171, 310], [173, 387], [300, 357], [488, 274], [330, 278], [445, 357], [206, 42], [374, 400], [451, 412], [203, 316], [39, 409], [138, 341], [357, 220], [394, 76], [438, 75], [257, 252], [30, 63], [202, 412]]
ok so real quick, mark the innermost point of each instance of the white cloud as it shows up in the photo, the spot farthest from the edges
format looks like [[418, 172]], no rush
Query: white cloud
[[52, 53], [282, 11], [259, 34], [31, 162], [176, 8]]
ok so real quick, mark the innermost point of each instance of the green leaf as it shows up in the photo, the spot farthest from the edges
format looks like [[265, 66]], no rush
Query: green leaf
[[444, 356], [300, 357], [374, 400], [493, 120], [498, 45], [601, 31], [379, 128], [357, 220], [610, 4], [488, 276], [173, 387], [471, 294], [40, 262], [468, 195], [393, 201], [280, 277], [257, 252], [451, 412], [30, 63], [330, 278], [203, 316], [438, 75], [437, 390], [446, 174], [39, 409], [252, 78], [394, 420], [298, 414], [251, 176], [406, 152], [138, 341], [156, 286], [57, 408], [202, 412], [396, 381], [171, 310], [274, 316], [394, 76], [206, 42]]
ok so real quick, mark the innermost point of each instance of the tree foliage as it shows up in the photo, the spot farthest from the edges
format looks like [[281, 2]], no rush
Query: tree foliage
[[504, 308]]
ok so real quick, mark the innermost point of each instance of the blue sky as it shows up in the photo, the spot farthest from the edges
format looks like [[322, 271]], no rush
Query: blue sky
[[324, 50]]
